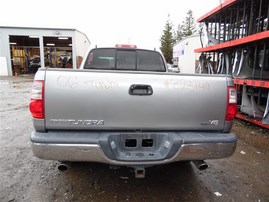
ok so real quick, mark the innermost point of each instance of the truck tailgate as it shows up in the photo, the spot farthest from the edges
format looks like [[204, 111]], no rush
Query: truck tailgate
[[107, 100]]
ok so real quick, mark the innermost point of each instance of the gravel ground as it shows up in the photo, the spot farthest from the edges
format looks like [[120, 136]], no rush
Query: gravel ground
[[242, 177]]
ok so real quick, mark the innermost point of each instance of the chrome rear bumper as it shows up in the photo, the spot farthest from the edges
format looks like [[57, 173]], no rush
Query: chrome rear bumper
[[94, 153]]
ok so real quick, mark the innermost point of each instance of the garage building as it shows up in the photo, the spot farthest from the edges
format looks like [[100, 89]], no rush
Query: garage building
[[184, 56], [24, 49]]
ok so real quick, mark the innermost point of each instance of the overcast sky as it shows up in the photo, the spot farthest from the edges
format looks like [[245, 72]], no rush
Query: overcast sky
[[105, 22]]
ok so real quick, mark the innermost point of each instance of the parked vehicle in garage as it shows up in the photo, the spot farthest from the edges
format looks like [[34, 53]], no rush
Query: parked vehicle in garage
[[35, 63], [172, 68], [123, 108]]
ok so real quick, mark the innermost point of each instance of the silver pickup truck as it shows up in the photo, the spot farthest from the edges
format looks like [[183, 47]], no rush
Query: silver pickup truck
[[123, 108]]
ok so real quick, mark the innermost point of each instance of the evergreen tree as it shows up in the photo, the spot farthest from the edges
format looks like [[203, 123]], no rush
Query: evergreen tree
[[179, 35], [187, 28], [167, 41]]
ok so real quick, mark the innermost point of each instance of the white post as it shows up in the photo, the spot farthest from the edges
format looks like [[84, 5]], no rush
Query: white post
[[41, 50]]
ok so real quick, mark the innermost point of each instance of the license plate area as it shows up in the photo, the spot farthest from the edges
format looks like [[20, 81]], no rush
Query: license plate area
[[140, 146]]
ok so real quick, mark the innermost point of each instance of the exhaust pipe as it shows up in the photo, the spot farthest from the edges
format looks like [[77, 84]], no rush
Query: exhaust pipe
[[200, 165], [63, 166]]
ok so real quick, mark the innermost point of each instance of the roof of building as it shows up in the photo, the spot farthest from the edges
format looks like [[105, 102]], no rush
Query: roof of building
[[38, 28]]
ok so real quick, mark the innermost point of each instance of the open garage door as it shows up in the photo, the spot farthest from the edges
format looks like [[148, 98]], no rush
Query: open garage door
[[58, 52], [25, 54]]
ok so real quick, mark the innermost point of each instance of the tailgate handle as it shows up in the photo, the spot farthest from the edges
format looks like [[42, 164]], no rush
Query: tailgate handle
[[140, 89]]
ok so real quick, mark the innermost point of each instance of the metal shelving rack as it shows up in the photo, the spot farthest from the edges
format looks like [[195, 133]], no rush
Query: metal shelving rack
[[237, 32]]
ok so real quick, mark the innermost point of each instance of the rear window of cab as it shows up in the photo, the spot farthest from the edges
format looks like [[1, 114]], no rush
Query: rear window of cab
[[124, 59]]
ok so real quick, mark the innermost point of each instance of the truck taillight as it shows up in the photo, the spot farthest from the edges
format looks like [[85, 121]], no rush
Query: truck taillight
[[231, 110], [36, 105]]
